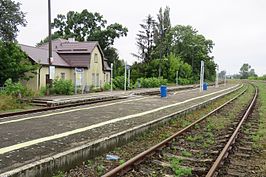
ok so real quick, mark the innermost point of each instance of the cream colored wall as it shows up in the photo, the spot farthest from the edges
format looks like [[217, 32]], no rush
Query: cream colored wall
[[32, 83], [69, 74], [96, 68]]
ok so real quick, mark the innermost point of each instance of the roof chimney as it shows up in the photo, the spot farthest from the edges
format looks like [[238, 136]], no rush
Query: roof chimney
[[71, 39]]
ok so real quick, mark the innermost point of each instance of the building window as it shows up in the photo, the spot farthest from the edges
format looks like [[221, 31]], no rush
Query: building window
[[95, 58], [63, 76]]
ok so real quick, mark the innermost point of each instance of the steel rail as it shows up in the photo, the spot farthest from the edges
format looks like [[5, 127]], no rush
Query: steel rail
[[128, 165], [232, 138]]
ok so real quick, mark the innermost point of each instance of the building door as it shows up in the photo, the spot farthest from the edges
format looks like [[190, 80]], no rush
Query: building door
[[47, 80]]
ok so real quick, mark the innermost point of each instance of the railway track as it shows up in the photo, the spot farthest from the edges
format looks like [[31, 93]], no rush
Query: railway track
[[197, 150]]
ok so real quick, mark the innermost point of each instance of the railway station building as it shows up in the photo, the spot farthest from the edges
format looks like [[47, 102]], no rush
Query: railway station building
[[82, 62]]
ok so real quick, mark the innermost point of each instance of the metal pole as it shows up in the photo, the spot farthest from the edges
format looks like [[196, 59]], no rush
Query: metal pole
[[201, 75], [111, 77], [75, 79], [125, 84], [176, 80], [217, 77], [128, 83]]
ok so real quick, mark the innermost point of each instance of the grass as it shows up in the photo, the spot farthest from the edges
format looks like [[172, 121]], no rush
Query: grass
[[179, 171], [8, 103], [186, 153], [260, 137], [59, 174]]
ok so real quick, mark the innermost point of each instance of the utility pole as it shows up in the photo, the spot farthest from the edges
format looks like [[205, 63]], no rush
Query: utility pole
[[51, 69]]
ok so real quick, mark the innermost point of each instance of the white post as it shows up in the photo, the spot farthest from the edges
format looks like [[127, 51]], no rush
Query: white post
[[176, 79], [125, 84], [111, 77], [217, 77], [201, 75], [128, 84]]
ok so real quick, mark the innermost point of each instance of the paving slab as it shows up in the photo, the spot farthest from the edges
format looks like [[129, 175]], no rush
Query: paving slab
[[70, 99], [28, 138]]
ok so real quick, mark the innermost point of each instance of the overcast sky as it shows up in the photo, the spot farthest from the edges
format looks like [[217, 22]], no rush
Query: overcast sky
[[237, 27]]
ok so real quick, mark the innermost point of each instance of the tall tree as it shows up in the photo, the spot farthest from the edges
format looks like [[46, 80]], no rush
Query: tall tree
[[145, 39], [11, 17], [162, 28], [87, 26], [193, 47], [14, 63], [244, 71]]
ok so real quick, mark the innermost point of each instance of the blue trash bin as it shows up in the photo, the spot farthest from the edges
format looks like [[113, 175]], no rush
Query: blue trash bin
[[163, 90], [205, 86]]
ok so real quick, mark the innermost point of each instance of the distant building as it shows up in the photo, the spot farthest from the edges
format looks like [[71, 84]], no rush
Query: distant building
[[81, 62]]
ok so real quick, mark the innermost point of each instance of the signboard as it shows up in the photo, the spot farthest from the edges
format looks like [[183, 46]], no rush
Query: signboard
[[51, 72], [79, 76]]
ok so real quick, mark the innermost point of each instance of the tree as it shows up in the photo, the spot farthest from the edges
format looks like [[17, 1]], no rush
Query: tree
[[222, 74], [161, 31], [87, 26], [11, 17], [145, 39], [252, 73], [193, 47], [14, 64], [244, 71]]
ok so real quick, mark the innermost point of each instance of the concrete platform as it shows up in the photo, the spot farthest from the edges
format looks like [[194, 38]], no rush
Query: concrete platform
[[36, 144], [62, 100]]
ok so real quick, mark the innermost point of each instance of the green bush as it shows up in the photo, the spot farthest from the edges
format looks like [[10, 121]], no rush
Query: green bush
[[152, 82], [62, 87], [182, 81], [16, 89], [119, 82], [107, 86]]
